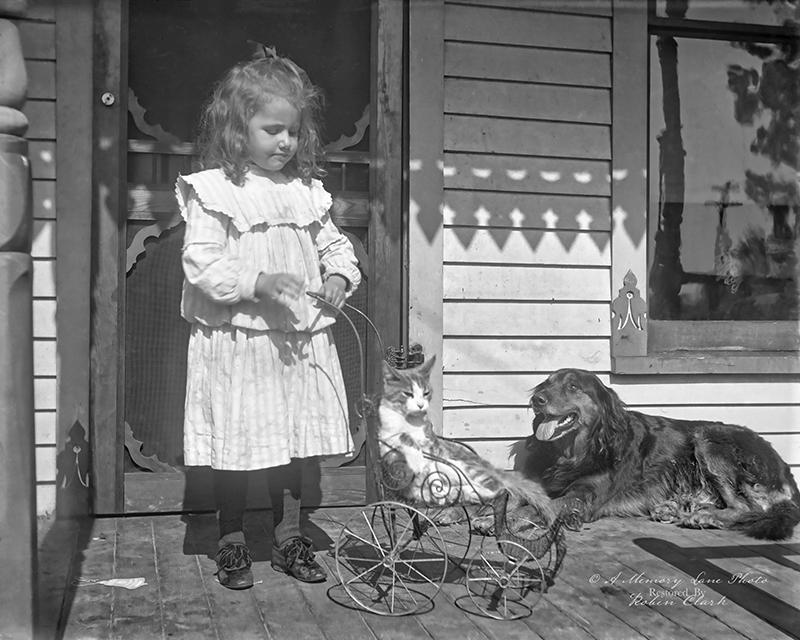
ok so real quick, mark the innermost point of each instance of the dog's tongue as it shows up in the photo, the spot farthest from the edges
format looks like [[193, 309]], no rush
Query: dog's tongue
[[546, 430]]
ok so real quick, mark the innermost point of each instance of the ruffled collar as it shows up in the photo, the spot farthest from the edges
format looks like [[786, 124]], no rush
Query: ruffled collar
[[260, 200]]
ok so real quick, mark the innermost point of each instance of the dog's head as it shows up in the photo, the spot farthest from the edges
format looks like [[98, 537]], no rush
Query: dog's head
[[568, 401]]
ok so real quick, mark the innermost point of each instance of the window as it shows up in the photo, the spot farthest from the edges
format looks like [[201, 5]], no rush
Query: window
[[706, 202]]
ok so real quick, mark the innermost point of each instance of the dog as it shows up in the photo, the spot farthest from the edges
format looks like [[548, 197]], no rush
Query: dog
[[596, 458]]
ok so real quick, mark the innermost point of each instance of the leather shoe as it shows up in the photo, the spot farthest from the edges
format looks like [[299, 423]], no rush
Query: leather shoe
[[233, 566], [295, 557]]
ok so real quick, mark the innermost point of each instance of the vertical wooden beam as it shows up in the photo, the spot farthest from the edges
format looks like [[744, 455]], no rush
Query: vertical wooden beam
[[109, 213], [74, 29], [17, 466], [629, 166], [386, 297], [425, 184]]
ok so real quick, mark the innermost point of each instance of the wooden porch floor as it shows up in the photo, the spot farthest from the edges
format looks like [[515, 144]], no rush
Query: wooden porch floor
[[622, 578]]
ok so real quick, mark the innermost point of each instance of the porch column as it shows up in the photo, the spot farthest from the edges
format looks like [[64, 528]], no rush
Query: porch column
[[17, 470]]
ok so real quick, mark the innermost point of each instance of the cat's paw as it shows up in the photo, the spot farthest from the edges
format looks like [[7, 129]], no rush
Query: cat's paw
[[483, 525], [444, 516]]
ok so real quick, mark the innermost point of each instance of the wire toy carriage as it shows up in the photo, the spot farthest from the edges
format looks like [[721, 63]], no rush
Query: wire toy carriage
[[393, 556]]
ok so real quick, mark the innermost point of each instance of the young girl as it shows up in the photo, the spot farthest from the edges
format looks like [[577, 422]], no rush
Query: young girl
[[264, 385]]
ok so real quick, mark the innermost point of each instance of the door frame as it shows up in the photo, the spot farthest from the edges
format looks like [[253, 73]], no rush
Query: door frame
[[387, 231]]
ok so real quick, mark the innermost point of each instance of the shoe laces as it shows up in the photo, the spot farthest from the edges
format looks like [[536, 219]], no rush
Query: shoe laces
[[298, 550], [233, 556]]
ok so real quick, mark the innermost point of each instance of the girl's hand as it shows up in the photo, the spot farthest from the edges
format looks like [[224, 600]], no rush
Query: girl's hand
[[283, 288], [333, 290]]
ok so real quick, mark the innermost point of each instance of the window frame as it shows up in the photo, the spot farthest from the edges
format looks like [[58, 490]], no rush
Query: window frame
[[639, 345]]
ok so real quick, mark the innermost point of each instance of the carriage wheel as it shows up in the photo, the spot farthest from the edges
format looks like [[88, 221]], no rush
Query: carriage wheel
[[504, 580], [391, 559], [456, 529]]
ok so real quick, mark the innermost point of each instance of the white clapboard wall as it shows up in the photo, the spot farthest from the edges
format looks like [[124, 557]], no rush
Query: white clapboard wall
[[526, 246]]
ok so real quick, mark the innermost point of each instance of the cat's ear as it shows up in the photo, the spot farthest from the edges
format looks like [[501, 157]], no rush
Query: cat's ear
[[426, 367]]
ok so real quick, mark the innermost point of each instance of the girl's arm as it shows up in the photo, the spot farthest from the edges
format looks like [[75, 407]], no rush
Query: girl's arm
[[206, 263], [336, 255]]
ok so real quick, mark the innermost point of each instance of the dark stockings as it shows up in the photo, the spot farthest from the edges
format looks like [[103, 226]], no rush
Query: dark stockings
[[284, 494], [230, 494]]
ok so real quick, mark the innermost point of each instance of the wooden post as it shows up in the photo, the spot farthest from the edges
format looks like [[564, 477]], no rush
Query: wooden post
[[74, 109], [18, 600], [109, 214], [426, 186], [386, 298], [17, 466]]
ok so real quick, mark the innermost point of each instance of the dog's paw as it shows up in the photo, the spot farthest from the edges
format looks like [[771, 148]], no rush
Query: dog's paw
[[666, 512], [701, 520]]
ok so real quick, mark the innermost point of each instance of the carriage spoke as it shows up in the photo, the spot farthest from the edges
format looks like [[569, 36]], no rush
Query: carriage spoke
[[418, 572], [374, 535], [363, 573], [369, 543], [401, 536]]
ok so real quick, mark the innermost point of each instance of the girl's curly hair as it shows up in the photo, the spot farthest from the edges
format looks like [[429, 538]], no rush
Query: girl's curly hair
[[245, 89]]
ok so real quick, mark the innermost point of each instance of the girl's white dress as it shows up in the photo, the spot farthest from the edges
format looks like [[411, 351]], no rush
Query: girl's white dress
[[264, 383]]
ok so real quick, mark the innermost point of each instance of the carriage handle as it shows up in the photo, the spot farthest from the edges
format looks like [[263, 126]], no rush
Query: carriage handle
[[361, 358]]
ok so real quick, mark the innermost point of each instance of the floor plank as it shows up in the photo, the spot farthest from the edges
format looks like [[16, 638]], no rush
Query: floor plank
[[183, 599], [58, 540], [235, 614], [732, 612], [643, 606], [91, 606], [137, 613], [186, 606], [638, 569]]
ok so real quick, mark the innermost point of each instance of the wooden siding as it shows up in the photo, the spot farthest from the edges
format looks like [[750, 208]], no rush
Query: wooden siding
[[526, 217], [37, 33], [527, 231]]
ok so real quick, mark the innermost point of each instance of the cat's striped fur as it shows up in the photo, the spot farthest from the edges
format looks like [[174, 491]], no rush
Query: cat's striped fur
[[442, 472]]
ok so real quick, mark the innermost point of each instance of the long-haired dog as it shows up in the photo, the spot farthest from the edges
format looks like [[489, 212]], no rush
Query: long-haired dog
[[600, 459]]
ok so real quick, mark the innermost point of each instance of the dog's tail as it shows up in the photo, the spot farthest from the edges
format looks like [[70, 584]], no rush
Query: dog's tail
[[776, 523]]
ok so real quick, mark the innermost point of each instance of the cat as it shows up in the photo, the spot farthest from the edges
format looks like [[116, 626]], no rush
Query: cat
[[419, 466]]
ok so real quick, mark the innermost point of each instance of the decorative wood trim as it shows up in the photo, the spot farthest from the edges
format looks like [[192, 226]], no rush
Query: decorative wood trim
[[73, 195], [138, 245], [108, 277], [629, 325], [343, 142], [151, 463], [387, 142], [629, 165], [138, 113], [426, 185]]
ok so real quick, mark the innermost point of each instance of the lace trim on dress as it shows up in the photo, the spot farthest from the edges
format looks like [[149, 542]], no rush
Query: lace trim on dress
[[258, 201]]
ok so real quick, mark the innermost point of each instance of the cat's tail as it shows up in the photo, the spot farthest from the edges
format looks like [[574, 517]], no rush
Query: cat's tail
[[530, 492]]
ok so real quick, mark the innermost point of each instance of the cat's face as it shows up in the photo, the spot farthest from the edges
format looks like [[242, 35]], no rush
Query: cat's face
[[408, 391]]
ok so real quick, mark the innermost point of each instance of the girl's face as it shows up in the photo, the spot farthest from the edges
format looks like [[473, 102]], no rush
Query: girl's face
[[272, 134]]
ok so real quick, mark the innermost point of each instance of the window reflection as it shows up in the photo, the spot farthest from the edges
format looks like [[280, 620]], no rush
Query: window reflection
[[723, 180]]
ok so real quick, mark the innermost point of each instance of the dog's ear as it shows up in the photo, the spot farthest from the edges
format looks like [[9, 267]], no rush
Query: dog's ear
[[612, 421]]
